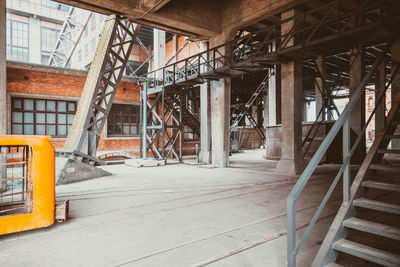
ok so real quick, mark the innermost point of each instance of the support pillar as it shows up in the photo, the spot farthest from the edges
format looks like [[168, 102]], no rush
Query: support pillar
[[266, 110], [220, 118], [274, 98], [159, 51], [3, 91], [396, 84], [205, 118], [357, 116], [320, 90], [379, 87], [292, 160]]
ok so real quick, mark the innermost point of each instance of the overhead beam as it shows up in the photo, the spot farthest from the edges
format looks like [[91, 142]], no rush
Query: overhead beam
[[195, 19], [153, 5]]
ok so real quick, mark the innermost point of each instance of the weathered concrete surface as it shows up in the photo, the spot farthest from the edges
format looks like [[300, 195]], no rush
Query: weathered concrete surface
[[72, 171], [177, 215], [220, 119], [292, 160], [205, 117]]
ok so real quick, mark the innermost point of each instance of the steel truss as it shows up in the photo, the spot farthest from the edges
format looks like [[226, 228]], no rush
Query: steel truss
[[161, 125], [256, 51], [112, 53], [69, 36], [245, 110]]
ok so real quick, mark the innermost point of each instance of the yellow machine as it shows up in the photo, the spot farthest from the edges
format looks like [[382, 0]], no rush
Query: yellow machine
[[27, 183]]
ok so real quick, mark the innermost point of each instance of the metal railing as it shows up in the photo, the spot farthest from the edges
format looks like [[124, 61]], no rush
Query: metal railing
[[16, 185], [343, 121], [262, 47]]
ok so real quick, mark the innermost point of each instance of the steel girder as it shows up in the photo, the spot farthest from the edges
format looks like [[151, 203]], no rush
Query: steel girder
[[112, 53], [161, 125], [69, 36]]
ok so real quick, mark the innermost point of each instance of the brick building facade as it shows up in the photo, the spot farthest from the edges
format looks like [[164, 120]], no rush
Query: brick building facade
[[42, 101]]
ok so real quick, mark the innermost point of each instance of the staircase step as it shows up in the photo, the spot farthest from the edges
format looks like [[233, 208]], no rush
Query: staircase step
[[367, 253], [383, 167], [389, 151], [381, 185], [377, 205], [373, 228]]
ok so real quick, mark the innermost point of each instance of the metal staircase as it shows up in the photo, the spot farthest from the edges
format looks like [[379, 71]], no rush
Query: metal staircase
[[367, 230], [245, 110], [354, 225], [189, 116]]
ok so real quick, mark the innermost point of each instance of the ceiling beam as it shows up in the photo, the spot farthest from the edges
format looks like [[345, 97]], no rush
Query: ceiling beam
[[192, 18], [153, 5]]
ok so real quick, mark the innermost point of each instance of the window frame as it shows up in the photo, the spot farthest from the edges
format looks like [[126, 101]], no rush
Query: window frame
[[35, 111], [9, 40], [123, 124], [44, 52]]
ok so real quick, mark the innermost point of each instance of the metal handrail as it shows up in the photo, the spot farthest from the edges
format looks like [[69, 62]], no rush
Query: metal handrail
[[250, 46], [343, 121]]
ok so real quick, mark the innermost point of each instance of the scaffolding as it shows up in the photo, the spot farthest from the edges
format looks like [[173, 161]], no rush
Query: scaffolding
[[69, 36]]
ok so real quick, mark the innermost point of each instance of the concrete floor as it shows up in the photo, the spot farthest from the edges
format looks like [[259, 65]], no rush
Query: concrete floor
[[177, 215]]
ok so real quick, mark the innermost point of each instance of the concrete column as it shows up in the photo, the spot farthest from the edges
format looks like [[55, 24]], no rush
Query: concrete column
[[319, 87], [220, 117], [379, 87], [396, 84], [357, 116], [205, 118], [159, 50], [174, 47], [292, 160], [266, 110], [3, 90], [274, 98], [35, 53]]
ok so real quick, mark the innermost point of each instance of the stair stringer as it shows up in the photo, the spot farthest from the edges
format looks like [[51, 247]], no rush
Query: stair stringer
[[326, 254]]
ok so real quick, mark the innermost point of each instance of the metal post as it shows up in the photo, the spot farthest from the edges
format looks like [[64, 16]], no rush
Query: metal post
[[3, 171], [180, 129], [346, 153], [163, 122], [291, 233], [141, 122], [144, 121]]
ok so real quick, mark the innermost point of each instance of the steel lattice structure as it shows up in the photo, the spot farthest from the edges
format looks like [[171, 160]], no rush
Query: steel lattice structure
[[69, 36], [161, 125], [112, 53]]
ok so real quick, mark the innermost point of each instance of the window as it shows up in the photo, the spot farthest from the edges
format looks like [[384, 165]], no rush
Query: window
[[189, 134], [42, 117], [93, 44], [79, 55], [48, 3], [93, 22], [85, 51], [48, 42], [17, 40], [123, 120], [85, 32]]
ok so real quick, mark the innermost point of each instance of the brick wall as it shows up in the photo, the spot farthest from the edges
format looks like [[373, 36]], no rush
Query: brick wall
[[33, 81]]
